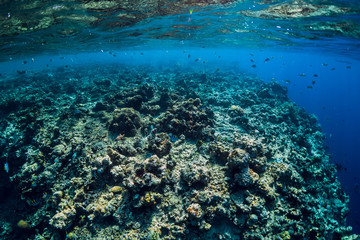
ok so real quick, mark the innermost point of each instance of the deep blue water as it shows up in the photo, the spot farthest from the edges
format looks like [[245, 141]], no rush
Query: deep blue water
[[322, 75]]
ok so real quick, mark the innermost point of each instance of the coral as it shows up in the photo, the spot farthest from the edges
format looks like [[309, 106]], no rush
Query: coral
[[186, 117], [140, 157], [23, 224], [125, 121]]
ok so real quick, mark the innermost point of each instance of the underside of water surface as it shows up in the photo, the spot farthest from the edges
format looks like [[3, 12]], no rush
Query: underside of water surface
[[129, 120]]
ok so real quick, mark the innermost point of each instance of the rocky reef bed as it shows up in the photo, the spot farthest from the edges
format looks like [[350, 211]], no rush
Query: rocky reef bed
[[117, 152]]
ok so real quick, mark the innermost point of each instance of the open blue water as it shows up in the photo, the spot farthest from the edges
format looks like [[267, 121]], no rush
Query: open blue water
[[320, 68]]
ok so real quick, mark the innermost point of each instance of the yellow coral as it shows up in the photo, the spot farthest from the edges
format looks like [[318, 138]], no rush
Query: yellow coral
[[23, 224], [116, 189]]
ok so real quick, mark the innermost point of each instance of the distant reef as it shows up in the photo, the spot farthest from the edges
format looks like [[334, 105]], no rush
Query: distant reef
[[119, 152]]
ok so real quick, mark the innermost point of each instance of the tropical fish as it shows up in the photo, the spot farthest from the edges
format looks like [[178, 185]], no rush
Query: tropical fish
[[45, 194], [33, 202], [267, 59], [6, 167], [173, 138], [34, 183]]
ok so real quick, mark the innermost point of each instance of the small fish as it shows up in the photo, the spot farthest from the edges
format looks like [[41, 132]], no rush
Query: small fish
[[252, 60], [141, 53], [302, 75], [34, 183], [189, 56], [332, 69], [348, 67], [25, 62], [6, 167], [309, 87], [218, 69], [21, 71], [325, 64], [253, 66], [267, 59], [173, 138], [32, 202], [313, 82], [315, 75], [45, 194], [74, 156], [219, 56], [287, 81], [196, 60]]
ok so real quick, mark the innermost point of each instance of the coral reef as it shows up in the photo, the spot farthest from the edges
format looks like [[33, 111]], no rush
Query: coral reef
[[160, 159]]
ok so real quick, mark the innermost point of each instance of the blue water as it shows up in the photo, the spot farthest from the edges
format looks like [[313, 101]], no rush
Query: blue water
[[322, 75]]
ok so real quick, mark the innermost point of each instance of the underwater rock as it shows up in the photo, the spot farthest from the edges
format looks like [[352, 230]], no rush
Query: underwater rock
[[160, 144], [125, 121], [238, 159], [134, 102], [195, 176], [186, 117], [64, 219], [246, 178]]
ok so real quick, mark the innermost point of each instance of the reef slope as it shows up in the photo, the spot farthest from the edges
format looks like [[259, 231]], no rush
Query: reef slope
[[119, 152]]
